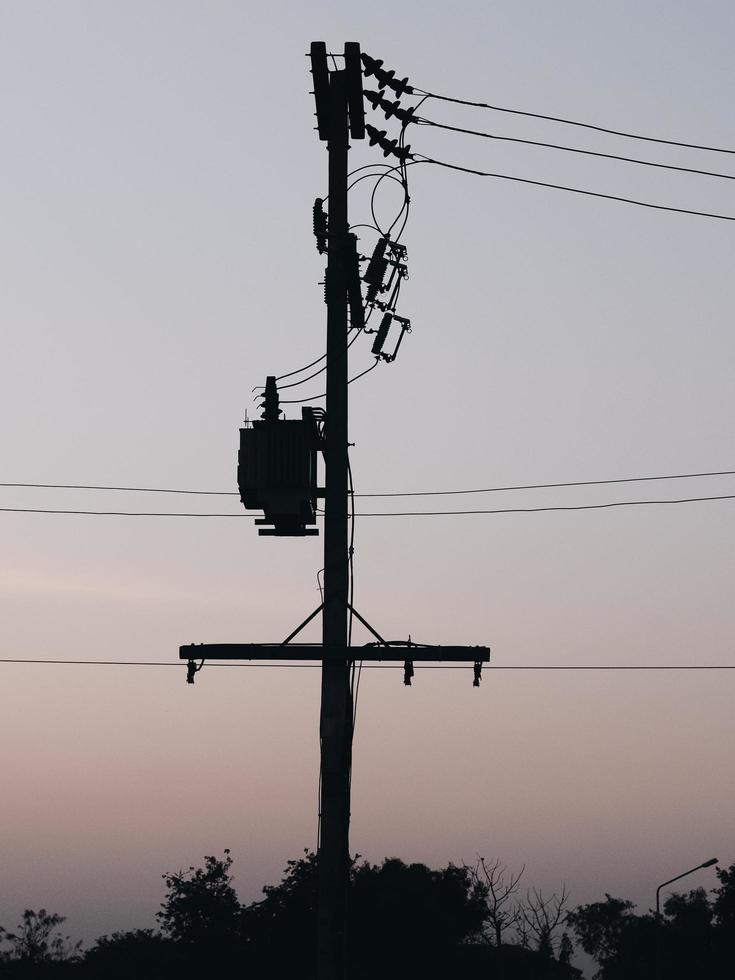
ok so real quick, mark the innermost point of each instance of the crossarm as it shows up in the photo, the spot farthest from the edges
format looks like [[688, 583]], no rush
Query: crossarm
[[308, 651]]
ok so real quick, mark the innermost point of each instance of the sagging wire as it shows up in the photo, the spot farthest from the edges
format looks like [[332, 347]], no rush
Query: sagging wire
[[321, 370], [390, 174]]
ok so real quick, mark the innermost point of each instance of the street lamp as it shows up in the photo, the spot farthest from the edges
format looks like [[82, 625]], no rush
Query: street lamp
[[705, 864]]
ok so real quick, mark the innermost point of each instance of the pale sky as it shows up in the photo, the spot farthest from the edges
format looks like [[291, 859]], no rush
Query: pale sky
[[158, 173]]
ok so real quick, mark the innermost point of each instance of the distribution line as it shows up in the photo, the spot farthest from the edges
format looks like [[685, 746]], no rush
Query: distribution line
[[571, 149], [372, 666], [388, 493], [402, 513], [577, 190], [574, 122], [536, 510]]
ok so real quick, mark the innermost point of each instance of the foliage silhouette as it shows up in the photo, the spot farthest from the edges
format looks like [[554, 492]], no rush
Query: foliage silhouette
[[405, 920], [696, 935], [37, 948]]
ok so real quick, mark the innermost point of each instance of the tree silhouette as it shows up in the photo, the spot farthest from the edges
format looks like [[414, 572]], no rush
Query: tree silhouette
[[405, 920], [201, 906], [36, 940], [502, 912], [142, 954]]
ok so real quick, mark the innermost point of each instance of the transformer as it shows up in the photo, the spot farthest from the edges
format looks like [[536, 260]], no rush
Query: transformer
[[277, 473]]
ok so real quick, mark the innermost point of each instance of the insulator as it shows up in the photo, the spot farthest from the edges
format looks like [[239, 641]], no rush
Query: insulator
[[382, 334], [374, 66], [400, 88], [270, 406], [387, 146], [377, 264], [375, 135], [390, 108], [320, 226], [407, 672], [374, 98]]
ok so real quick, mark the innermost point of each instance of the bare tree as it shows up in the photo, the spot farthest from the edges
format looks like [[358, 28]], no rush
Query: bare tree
[[498, 886], [541, 921]]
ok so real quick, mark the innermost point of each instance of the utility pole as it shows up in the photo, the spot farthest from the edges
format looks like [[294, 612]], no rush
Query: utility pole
[[277, 474], [335, 726]]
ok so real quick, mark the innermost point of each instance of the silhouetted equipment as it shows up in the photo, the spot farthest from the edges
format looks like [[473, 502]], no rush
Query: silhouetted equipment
[[374, 66], [375, 272], [270, 406], [353, 80], [378, 137], [354, 290], [321, 226], [386, 253], [390, 108], [382, 335], [320, 75], [277, 468], [383, 651], [277, 474]]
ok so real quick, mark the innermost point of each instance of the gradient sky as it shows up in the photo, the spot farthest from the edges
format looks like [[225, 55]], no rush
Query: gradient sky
[[156, 258]]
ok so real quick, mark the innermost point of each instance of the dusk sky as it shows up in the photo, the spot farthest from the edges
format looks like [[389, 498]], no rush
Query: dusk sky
[[158, 172]]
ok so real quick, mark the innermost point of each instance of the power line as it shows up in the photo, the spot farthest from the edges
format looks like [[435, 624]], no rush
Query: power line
[[111, 513], [578, 190], [390, 493], [405, 513], [371, 666], [81, 486], [313, 398], [575, 122], [571, 149], [546, 486], [538, 510]]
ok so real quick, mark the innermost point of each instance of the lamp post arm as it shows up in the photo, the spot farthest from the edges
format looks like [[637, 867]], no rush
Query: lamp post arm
[[670, 882]]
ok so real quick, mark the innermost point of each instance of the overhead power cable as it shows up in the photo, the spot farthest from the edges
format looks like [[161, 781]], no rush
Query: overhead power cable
[[405, 513], [539, 510], [576, 122], [546, 486], [369, 666], [576, 190], [388, 493], [571, 149], [313, 398]]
